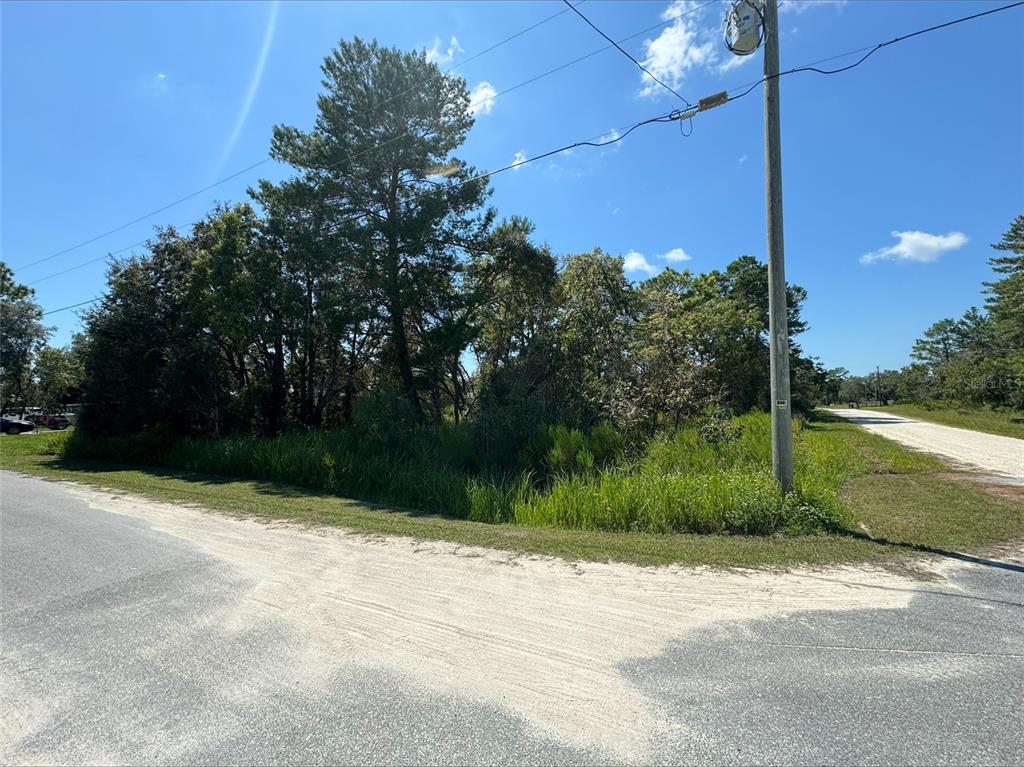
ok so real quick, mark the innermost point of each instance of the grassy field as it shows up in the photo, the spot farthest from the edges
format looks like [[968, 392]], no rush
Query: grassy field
[[964, 417], [896, 503]]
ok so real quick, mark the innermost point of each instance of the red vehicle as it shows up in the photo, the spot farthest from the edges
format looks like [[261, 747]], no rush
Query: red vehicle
[[56, 422]]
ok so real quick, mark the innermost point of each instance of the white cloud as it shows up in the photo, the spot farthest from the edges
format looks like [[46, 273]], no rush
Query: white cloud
[[437, 56], [676, 255], [742, 159], [682, 45], [481, 98], [693, 42], [733, 62], [917, 246], [635, 262], [520, 157], [611, 136]]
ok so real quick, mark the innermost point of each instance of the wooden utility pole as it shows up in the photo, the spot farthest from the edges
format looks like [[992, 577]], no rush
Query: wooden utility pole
[[778, 330]]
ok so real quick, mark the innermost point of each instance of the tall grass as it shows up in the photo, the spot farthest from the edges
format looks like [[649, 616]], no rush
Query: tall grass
[[692, 480]]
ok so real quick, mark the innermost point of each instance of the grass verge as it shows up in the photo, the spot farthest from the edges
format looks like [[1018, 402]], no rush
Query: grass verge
[[964, 417], [895, 494]]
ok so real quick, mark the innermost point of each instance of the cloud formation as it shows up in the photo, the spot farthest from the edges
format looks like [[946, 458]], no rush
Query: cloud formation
[[682, 45], [636, 262], [436, 56], [693, 41], [919, 247], [676, 255], [520, 157], [481, 98]]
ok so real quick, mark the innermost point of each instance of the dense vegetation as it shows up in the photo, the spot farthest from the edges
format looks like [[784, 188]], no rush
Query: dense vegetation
[[975, 360], [898, 502], [368, 327], [715, 479]]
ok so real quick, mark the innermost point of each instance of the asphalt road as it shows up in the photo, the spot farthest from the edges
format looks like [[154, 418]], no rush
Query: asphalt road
[[972, 449], [139, 634]]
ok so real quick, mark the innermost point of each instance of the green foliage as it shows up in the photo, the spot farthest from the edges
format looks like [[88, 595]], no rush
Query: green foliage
[[22, 336], [973, 360], [680, 482], [58, 375]]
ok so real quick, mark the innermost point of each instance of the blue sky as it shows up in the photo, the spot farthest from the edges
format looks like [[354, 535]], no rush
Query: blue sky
[[897, 175]]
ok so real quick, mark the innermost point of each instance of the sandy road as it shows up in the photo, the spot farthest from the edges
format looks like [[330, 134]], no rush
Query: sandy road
[[143, 632], [974, 449]]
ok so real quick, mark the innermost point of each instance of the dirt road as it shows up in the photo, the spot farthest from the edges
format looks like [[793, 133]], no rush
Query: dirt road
[[972, 449]]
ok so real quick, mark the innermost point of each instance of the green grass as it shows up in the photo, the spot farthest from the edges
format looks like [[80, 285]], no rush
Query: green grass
[[898, 495], [964, 416]]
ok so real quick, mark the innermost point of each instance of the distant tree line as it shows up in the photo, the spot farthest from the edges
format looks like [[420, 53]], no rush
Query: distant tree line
[[977, 359], [376, 286]]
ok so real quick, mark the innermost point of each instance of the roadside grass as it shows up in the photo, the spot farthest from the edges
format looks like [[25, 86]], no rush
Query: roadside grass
[[895, 494], [963, 416]]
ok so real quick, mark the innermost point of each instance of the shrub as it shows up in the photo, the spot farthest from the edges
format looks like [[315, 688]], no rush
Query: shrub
[[681, 482]]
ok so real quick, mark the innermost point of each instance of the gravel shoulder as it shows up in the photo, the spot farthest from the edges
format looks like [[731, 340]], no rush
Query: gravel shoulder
[[972, 449]]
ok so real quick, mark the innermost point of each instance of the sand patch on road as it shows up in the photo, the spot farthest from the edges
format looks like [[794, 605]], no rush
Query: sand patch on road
[[542, 640]]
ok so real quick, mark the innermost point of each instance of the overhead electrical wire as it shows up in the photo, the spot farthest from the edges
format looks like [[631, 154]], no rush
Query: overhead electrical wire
[[872, 49], [619, 135], [628, 55], [678, 114], [73, 306], [265, 160], [388, 100]]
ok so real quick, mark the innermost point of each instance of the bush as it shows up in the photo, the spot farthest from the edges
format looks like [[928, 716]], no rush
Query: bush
[[681, 482]]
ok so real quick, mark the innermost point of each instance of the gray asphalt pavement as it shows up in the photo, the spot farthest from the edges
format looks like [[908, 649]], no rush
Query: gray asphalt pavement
[[108, 654]]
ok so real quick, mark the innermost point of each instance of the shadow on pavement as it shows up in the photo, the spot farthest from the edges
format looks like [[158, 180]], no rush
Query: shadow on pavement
[[924, 548]]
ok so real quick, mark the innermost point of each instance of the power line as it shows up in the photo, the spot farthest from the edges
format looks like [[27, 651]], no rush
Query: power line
[[670, 117], [618, 135], [504, 92], [626, 53], [265, 160], [872, 49], [73, 306]]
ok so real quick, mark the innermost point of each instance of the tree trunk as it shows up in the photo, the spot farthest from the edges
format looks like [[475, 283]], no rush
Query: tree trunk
[[277, 392], [395, 307]]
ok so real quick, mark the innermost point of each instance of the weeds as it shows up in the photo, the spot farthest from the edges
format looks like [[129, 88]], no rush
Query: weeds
[[712, 477]]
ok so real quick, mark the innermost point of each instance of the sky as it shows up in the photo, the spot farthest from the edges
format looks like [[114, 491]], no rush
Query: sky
[[897, 175]]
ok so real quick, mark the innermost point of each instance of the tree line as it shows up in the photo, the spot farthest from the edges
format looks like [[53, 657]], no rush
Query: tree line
[[377, 285], [976, 359]]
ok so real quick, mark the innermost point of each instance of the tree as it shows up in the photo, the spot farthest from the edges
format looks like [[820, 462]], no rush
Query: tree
[[833, 384], [146, 363], [58, 375], [380, 154], [667, 380], [1006, 295], [939, 345], [856, 389], [22, 335], [598, 305], [239, 298]]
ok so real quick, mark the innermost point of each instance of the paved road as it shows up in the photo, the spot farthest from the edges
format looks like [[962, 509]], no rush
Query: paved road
[[135, 632], [973, 449]]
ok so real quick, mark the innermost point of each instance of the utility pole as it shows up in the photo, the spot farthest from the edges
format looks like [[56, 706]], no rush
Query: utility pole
[[778, 330]]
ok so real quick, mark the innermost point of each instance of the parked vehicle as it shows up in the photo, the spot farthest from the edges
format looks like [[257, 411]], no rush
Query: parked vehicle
[[56, 422], [14, 426]]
